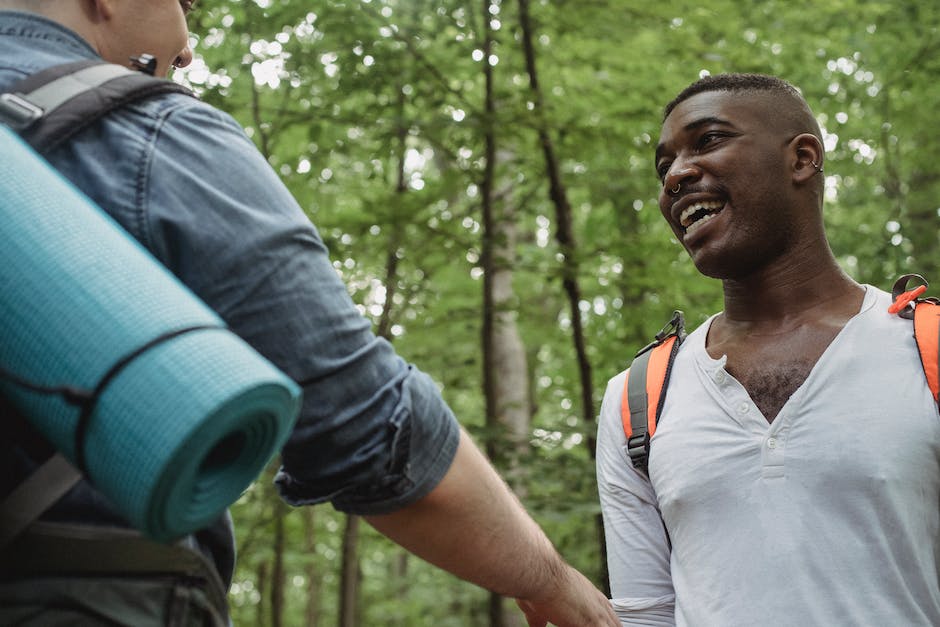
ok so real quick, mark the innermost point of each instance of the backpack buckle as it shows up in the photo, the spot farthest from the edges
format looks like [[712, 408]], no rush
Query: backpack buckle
[[676, 327], [638, 448], [17, 112]]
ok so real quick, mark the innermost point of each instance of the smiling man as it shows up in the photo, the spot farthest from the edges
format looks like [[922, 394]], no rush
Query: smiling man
[[794, 474]]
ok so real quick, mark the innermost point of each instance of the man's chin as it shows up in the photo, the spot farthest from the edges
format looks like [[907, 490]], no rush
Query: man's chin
[[707, 264], [721, 267]]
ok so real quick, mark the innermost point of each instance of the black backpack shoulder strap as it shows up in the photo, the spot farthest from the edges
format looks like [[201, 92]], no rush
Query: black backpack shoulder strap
[[36, 494], [644, 389], [48, 108]]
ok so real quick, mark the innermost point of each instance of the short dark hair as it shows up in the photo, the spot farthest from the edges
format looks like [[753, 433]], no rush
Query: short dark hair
[[734, 82], [748, 83]]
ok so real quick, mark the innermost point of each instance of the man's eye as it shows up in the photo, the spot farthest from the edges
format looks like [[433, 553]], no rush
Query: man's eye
[[661, 171], [708, 138]]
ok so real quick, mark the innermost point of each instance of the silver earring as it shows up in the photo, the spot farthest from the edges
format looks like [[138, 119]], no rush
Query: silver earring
[[817, 166], [676, 189]]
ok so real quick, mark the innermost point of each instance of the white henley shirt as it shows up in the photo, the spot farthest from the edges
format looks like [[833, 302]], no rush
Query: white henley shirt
[[828, 516]]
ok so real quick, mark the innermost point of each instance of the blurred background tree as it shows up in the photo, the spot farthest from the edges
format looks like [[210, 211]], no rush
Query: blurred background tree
[[482, 172]]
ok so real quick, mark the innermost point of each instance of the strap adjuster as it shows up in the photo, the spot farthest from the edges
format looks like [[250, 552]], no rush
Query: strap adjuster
[[17, 112], [902, 297], [676, 327], [638, 448]]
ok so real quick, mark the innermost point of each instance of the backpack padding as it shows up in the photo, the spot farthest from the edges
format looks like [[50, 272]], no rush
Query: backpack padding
[[51, 89], [643, 396], [80, 94], [927, 335], [640, 405]]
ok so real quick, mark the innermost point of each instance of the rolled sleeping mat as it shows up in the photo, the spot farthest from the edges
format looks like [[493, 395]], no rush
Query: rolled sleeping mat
[[176, 414]]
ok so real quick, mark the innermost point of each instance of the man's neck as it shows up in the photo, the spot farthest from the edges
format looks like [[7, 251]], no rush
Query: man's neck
[[68, 14], [810, 290], [776, 326]]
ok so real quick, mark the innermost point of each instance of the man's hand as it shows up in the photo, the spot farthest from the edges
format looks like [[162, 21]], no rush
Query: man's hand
[[574, 602]]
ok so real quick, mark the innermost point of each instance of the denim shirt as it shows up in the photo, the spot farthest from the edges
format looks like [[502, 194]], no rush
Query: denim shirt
[[374, 434]]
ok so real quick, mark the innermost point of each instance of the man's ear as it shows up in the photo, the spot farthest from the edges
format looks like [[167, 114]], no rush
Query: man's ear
[[808, 156], [99, 10]]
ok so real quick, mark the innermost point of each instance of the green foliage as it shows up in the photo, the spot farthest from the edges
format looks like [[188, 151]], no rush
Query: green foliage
[[372, 112]]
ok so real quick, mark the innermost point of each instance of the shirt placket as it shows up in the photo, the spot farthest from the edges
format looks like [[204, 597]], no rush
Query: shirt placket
[[770, 438]]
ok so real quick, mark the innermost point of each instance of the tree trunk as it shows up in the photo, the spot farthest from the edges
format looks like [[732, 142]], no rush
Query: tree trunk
[[401, 573], [505, 365], [505, 369], [312, 607], [350, 576], [277, 575], [564, 235], [564, 231], [262, 578]]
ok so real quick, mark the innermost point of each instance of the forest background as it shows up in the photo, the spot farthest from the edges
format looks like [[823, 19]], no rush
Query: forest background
[[483, 175]]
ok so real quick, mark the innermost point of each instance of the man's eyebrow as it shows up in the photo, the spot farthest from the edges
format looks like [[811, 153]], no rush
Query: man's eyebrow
[[694, 124]]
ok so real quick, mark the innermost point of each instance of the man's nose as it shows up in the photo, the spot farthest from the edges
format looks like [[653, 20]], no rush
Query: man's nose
[[184, 58], [680, 174]]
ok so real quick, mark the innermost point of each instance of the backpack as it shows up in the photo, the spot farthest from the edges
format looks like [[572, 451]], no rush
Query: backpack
[[45, 110], [644, 389]]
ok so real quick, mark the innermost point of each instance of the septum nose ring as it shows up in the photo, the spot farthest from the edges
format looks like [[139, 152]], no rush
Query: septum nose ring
[[676, 189]]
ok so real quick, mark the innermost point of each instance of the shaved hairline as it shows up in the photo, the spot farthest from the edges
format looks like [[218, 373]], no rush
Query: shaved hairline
[[784, 99]]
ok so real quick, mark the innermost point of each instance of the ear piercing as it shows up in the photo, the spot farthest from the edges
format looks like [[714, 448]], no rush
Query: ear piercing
[[145, 63], [817, 166]]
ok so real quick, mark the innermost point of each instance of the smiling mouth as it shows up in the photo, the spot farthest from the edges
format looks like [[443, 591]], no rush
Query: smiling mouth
[[697, 214]]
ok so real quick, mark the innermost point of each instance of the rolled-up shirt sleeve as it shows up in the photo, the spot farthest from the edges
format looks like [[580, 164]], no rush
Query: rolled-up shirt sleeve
[[374, 434]]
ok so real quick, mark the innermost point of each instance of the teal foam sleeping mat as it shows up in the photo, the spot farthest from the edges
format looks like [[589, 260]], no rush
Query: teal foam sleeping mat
[[182, 414]]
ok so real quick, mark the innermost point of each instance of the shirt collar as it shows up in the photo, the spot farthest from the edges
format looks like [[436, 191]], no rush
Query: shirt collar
[[38, 28]]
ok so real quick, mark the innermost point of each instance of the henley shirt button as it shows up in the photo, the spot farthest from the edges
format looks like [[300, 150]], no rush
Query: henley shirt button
[[772, 443], [720, 376], [743, 408]]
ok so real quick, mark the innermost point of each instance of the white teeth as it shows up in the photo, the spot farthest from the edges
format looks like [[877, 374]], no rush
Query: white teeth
[[695, 225], [712, 205]]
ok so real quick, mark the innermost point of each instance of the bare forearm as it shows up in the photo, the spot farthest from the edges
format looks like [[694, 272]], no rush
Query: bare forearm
[[474, 527]]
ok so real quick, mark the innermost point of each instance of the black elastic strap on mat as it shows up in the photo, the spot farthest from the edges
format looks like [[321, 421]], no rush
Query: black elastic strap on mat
[[88, 407], [88, 399]]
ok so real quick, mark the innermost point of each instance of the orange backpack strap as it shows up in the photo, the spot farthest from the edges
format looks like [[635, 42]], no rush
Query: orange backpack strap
[[925, 312], [644, 389], [927, 334]]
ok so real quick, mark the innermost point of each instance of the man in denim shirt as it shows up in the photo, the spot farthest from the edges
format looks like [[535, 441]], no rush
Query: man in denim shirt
[[374, 436]]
